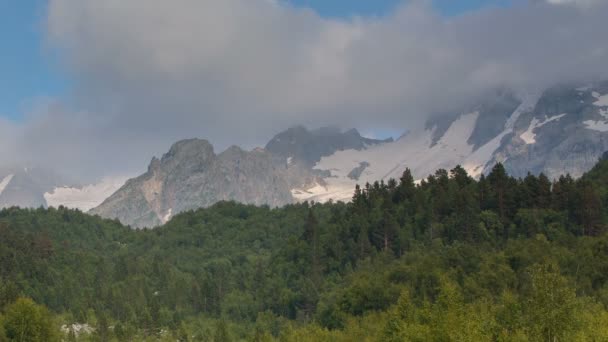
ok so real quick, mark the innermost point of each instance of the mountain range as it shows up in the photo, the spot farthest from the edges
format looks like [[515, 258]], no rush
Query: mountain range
[[556, 131]]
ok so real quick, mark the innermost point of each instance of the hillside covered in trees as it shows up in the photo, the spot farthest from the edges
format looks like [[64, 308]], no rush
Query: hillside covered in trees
[[448, 259]]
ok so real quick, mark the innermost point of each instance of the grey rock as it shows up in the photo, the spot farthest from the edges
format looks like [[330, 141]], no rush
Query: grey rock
[[192, 176], [309, 146], [494, 110], [493, 115], [561, 146], [355, 173]]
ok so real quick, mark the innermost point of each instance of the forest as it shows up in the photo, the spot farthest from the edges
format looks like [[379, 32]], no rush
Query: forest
[[449, 258]]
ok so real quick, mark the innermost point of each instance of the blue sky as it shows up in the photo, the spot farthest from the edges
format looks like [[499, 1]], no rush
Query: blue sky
[[29, 71], [341, 8]]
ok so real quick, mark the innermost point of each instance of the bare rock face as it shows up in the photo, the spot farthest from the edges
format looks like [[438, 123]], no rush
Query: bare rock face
[[566, 132], [300, 145], [191, 176]]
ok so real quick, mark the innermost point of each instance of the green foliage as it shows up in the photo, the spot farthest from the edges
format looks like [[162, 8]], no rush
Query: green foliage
[[448, 259], [25, 321], [3, 337], [221, 332], [552, 307]]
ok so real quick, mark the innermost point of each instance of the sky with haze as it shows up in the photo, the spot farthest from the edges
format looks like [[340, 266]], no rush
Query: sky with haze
[[94, 87]]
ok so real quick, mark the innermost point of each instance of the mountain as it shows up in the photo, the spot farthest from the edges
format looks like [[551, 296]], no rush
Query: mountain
[[561, 130], [191, 176], [25, 186], [33, 187], [84, 197], [299, 144], [565, 133], [557, 131]]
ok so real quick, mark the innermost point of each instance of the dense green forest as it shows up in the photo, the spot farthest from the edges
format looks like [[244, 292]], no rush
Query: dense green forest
[[448, 259]]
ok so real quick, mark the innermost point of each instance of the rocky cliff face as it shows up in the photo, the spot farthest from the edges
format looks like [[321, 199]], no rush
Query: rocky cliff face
[[300, 145], [191, 176], [566, 132]]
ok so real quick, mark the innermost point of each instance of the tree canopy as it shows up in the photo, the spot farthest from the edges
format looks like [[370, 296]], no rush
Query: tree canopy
[[449, 258]]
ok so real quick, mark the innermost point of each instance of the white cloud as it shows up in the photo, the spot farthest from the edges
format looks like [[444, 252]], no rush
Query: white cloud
[[148, 72]]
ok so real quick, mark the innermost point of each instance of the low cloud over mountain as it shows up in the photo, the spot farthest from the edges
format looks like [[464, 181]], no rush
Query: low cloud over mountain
[[145, 73]]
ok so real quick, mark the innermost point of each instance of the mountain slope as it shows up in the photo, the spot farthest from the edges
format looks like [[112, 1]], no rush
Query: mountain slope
[[25, 187], [564, 133], [299, 144], [561, 130], [33, 187], [83, 197], [191, 176]]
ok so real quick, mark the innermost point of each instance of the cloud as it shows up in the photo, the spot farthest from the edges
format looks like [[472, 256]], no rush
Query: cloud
[[583, 3], [7, 139], [149, 72]]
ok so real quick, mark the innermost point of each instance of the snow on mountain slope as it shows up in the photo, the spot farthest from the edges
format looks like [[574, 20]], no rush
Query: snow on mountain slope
[[529, 136], [415, 151], [5, 182], [528, 102], [478, 160], [86, 197], [602, 100], [599, 125], [167, 216]]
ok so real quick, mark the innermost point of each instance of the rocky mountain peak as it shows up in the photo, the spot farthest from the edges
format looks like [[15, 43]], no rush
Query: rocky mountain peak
[[298, 144], [232, 151], [191, 176], [154, 165], [189, 150], [185, 157]]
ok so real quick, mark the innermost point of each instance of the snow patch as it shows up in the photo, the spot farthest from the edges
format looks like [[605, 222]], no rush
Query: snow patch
[[529, 136], [414, 151], [602, 100], [600, 125], [84, 198], [167, 216], [389, 160], [5, 182], [528, 102], [477, 161], [339, 191]]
